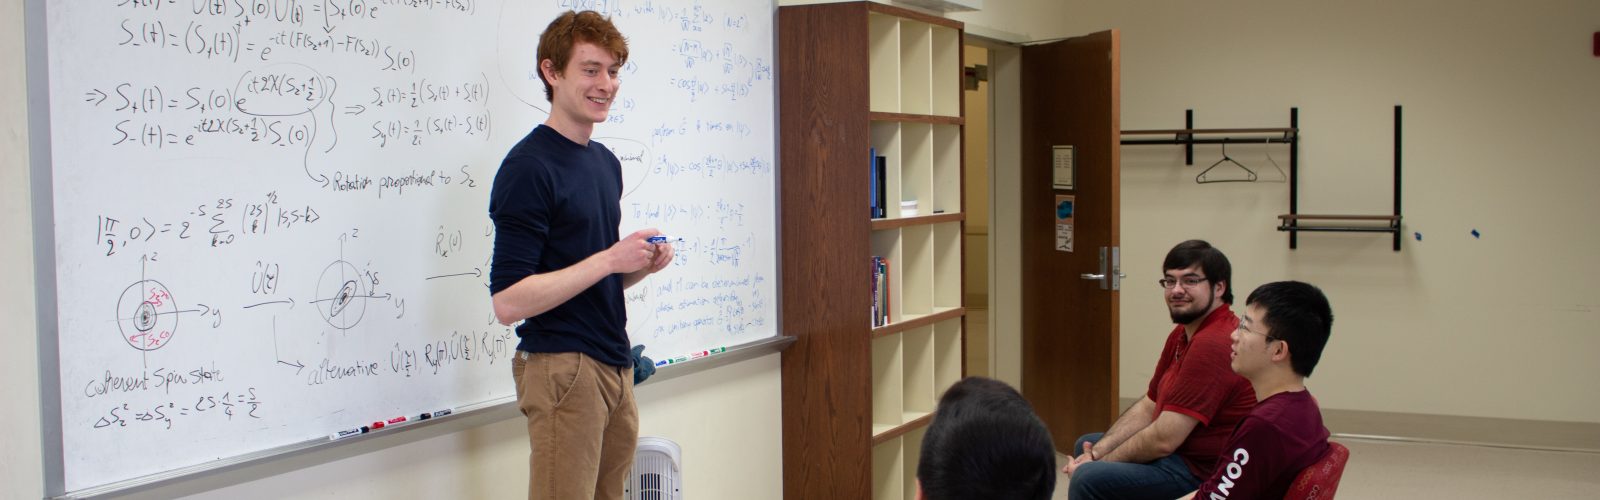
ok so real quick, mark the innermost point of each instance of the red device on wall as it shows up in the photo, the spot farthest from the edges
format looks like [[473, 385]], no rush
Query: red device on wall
[[1597, 44]]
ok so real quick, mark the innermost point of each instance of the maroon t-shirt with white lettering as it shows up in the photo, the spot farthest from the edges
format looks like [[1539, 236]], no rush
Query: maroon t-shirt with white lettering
[[1282, 436], [1193, 378]]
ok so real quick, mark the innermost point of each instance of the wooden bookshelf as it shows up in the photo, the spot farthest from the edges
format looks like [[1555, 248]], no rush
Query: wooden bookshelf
[[857, 399], [881, 224], [917, 321], [878, 116]]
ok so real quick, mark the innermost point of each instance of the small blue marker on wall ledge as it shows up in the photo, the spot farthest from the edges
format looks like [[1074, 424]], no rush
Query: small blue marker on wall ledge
[[657, 240]]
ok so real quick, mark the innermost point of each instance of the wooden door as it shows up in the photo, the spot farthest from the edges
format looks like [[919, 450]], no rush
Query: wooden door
[[1071, 97]]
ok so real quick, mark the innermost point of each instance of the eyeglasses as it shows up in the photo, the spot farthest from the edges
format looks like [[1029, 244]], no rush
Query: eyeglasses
[[1188, 282], [1269, 337]]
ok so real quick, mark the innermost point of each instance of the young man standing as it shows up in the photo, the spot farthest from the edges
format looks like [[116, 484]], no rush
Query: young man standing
[[1279, 341], [1169, 440], [560, 268], [985, 442]]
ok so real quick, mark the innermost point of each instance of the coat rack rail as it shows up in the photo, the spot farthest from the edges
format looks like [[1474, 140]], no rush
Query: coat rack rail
[[1188, 136], [1391, 223]]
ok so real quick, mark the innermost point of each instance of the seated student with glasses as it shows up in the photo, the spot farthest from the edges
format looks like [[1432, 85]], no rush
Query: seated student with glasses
[[1278, 343], [1168, 441]]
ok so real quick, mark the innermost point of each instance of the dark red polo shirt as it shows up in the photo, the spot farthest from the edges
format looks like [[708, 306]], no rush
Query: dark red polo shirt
[[1193, 378]]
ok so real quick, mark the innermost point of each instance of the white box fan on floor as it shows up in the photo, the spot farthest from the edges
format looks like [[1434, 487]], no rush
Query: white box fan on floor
[[657, 471]]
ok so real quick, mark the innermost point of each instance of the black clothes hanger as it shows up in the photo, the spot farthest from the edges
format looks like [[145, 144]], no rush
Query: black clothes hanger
[[1201, 179]]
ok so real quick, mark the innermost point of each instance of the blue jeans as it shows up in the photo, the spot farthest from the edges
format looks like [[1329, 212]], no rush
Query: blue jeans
[[1165, 478]]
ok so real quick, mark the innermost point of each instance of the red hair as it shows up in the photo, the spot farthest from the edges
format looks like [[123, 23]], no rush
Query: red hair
[[572, 28]]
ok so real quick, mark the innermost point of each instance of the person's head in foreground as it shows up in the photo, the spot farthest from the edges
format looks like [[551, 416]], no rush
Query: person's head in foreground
[[985, 443]]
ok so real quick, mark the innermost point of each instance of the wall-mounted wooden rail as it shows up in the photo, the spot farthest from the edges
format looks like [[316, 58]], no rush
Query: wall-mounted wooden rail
[[1188, 136]]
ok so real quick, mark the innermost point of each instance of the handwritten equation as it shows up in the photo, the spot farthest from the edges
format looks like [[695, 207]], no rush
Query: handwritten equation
[[215, 223], [731, 306], [197, 401], [226, 406]]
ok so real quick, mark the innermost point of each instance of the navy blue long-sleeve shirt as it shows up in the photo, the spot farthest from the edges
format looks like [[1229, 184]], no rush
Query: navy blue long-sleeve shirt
[[555, 203]]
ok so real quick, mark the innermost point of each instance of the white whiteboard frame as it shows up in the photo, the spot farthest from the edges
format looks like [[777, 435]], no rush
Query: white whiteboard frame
[[251, 466], [37, 58]]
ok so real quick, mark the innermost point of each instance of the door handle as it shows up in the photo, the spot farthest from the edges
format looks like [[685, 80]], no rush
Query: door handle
[[1110, 275], [1105, 284]]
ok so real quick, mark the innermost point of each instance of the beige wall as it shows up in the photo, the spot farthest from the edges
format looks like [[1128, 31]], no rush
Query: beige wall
[[1029, 19], [1500, 125], [727, 420], [20, 462]]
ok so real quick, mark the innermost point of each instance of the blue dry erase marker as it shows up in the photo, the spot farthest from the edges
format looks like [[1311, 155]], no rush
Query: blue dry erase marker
[[657, 240]]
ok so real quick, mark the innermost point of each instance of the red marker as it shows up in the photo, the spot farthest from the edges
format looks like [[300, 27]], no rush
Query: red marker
[[376, 425], [396, 420]]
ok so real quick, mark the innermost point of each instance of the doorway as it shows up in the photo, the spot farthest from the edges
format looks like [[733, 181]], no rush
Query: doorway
[[1049, 332], [976, 262], [992, 272]]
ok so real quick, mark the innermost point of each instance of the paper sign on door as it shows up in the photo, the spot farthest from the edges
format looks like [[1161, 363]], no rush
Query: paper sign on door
[[1064, 207]]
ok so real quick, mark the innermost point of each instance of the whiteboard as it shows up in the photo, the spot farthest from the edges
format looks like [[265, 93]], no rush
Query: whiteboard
[[270, 216]]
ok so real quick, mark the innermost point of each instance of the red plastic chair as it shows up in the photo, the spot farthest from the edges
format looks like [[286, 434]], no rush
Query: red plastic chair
[[1321, 479]]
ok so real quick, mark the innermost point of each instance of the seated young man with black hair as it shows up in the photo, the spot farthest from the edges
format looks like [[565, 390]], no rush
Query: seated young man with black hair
[[1278, 343], [985, 443]]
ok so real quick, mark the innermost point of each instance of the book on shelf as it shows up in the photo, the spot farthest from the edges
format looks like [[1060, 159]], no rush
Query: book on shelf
[[877, 286], [880, 165], [872, 284], [872, 183], [880, 291]]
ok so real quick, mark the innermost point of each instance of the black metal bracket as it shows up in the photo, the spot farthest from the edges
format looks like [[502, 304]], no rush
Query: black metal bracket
[[1291, 223]]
